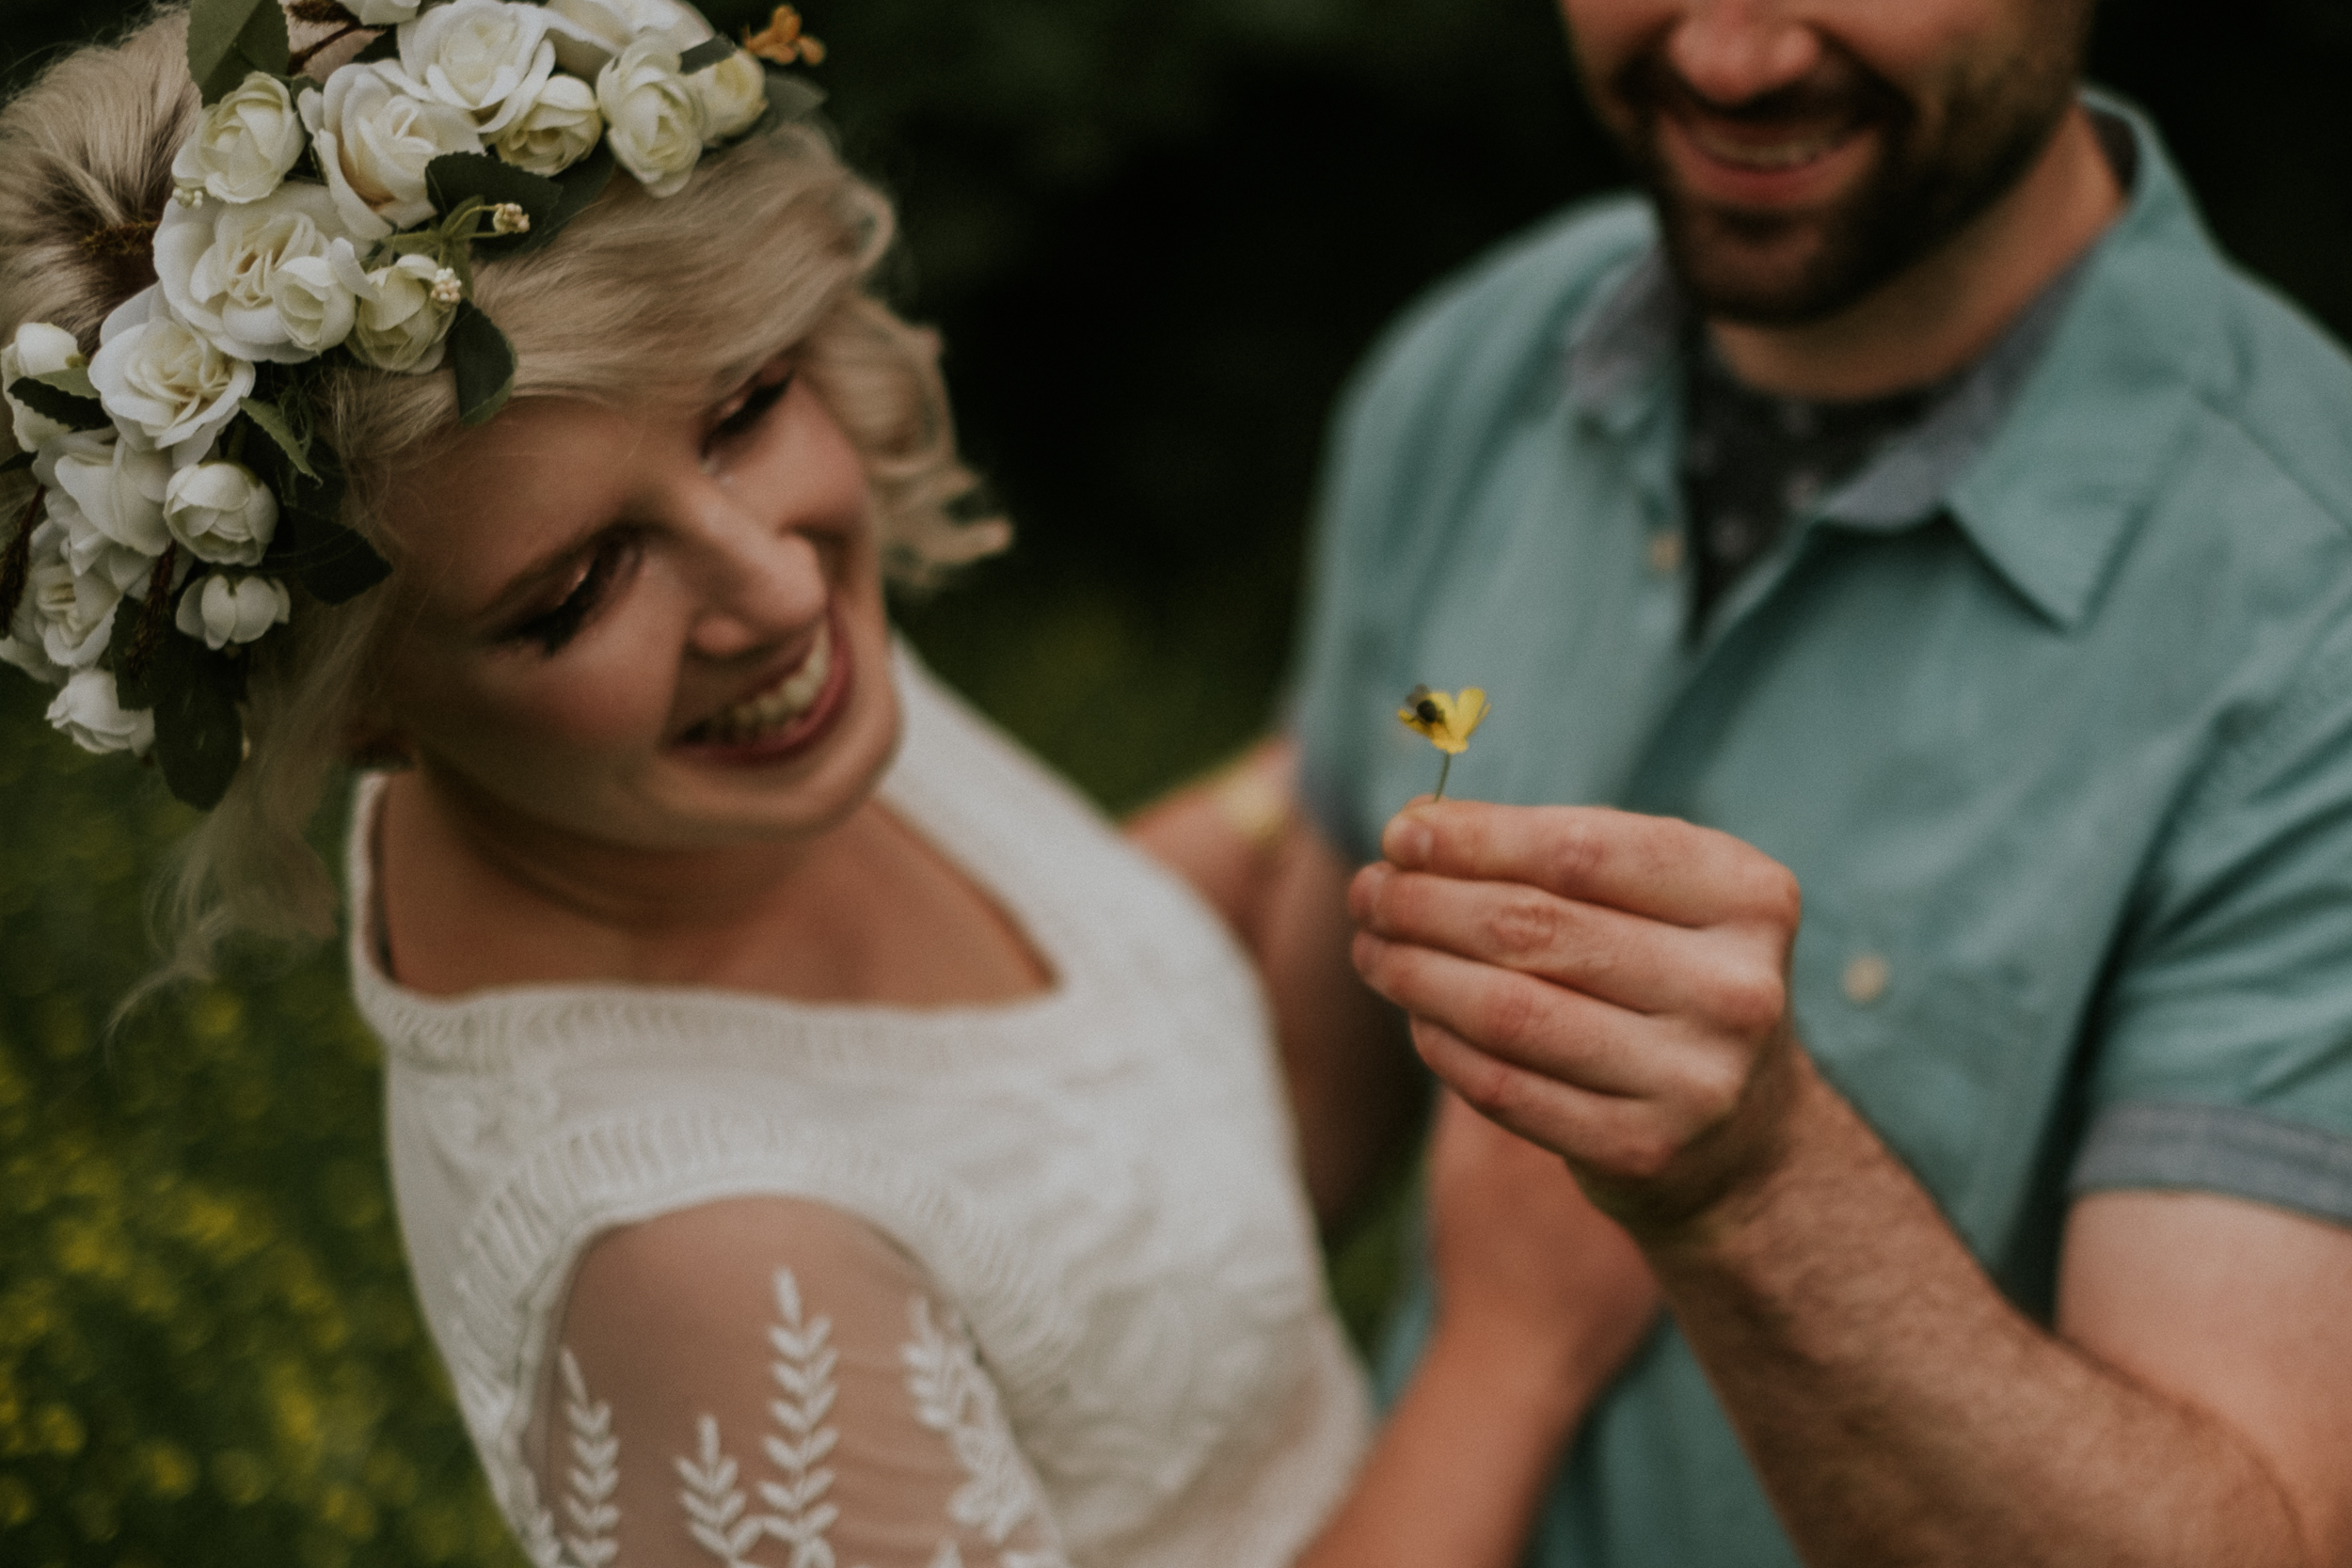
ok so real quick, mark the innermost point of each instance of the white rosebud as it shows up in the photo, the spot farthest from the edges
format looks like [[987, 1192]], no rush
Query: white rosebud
[[401, 321], [383, 13], [653, 117], [164, 382], [559, 128], [89, 711], [734, 94], [39, 349], [447, 291], [223, 610], [72, 612], [374, 134], [588, 35], [221, 512], [243, 145], [508, 218], [219, 268], [116, 493], [484, 57]]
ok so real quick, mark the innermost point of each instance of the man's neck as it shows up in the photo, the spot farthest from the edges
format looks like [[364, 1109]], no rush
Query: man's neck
[[1951, 305]]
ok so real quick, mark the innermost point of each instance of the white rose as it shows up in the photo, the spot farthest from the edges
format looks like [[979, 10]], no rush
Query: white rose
[[589, 34], [401, 321], [221, 512], [734, 94], [243, 145], [559, 128], [223, 610], [484, 56], [164, 384], [375, 133], [219, 267], [39, 349], [653, 117], [112, 496], [87, 548], [74, 612], [317, 297], [382, 13], [89, 711]]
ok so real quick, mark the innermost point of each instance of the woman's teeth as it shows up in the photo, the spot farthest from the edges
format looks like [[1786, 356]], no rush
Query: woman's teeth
[[777, 706]]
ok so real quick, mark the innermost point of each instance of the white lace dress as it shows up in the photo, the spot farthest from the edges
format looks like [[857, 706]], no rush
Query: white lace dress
[[1016, 1284]]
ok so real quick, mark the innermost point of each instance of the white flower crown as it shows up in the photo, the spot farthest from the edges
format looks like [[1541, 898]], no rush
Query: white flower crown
[[180, 483]]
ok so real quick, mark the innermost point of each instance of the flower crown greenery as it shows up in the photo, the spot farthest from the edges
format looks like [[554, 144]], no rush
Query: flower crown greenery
[[180, 484]]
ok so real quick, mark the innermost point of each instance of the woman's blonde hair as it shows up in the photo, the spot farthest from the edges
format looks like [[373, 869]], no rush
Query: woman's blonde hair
[[772, 246]]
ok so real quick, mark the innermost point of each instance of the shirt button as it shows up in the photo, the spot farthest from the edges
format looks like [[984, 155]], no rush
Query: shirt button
[[1665, 552], [1865, 977]]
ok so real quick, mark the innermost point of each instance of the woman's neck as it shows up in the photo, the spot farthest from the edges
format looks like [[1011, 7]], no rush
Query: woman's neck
[[864, 911]]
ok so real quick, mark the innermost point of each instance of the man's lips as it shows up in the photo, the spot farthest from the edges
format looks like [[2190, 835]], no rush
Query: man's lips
[[1763, 164]]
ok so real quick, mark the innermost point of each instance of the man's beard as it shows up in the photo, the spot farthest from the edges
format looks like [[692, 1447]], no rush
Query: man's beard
[[1784, 269]]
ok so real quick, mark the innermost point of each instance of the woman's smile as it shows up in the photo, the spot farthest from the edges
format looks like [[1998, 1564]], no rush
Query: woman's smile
[[786, 717]]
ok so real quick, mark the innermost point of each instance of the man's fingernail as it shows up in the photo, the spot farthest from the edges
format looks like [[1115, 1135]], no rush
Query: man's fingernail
[[1405, 842]]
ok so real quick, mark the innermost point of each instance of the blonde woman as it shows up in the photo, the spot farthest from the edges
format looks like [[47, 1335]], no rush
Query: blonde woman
[[818, 1138]]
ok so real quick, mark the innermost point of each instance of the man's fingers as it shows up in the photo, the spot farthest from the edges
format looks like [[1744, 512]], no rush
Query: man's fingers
[[1529, 1022], [1646, 965], [1648, 866], [1607, 1135]]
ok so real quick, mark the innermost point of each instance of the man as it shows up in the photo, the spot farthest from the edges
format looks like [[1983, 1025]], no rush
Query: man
[[1944, 562]]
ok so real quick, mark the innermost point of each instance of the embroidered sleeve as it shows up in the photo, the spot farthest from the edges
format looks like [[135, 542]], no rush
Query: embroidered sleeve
[[769, 1383]]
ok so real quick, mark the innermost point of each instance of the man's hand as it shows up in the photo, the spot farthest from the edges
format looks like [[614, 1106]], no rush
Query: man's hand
[[1613, 987], [1527, 1270]]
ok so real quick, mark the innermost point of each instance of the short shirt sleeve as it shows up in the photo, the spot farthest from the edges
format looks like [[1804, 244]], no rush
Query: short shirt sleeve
[[2225, 1055], [767, 1381]]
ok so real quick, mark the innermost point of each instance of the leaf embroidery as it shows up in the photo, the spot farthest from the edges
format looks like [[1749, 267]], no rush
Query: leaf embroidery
[[954, 1399], [803, 1370], [714, 1504], [596, 1472]]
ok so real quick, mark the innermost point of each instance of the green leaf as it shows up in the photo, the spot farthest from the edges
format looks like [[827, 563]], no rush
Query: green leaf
[[332, 562], [704, 55], [581, 184], [453, 176], [791, 95], [73, 379], [273, 423], [200, 739], [484, 361], [230, 40], [131, 690], [16, 461], [75, 412]]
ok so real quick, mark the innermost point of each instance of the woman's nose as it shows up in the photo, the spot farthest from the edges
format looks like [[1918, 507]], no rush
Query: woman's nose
[[1732, 51], [761, 586]]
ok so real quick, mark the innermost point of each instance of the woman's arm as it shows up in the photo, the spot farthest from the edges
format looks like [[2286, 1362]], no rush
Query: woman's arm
[[1540, 1299], [770, 1370]]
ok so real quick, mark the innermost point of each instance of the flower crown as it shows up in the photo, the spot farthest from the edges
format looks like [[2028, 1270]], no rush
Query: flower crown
[[180, 482]]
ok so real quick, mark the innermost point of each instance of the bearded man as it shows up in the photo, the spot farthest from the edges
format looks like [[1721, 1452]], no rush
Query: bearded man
[[1912, 574]]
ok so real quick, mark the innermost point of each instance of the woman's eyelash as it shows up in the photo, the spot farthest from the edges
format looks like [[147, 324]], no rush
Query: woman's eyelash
[[551, 629], [756, 403]]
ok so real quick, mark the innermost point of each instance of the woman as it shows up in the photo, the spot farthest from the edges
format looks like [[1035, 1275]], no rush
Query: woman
[[818, 1137]]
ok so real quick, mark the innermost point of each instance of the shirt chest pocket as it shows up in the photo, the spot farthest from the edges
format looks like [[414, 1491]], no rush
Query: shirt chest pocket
[[1932, 1054]]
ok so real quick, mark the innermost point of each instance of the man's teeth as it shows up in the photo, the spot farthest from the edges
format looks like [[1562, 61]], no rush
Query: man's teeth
[[1765, 156], [780, 704]]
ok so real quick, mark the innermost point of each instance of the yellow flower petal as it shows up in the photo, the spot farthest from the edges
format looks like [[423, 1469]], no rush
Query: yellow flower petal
[[1446, 718]]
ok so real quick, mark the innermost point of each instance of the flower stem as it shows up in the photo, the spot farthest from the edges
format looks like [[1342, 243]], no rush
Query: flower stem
[[1443, 768]]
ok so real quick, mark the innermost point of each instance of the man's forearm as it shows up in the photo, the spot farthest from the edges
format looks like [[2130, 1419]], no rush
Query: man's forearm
[[1900, 1410]]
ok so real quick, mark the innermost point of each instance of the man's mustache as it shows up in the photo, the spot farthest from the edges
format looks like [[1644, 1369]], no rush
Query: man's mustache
[[1840, 89]]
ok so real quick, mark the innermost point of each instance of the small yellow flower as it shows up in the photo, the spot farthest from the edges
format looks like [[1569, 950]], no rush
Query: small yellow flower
[[1446, 718], [782, 41]]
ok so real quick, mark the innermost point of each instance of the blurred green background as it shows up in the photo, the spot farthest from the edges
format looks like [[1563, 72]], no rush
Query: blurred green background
[[1157, 236]]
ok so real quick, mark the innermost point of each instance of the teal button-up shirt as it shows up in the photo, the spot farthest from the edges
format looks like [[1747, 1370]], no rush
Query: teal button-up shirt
[[2049, 710]]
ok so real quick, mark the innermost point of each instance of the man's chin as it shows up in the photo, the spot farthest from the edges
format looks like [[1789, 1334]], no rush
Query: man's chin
[[1784, 273]]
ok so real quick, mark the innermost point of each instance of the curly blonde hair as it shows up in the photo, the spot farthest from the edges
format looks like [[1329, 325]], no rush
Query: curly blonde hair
[[772, 246]]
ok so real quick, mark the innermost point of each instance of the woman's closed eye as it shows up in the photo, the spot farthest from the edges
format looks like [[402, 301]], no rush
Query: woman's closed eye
[[615, 556], [744, 411]]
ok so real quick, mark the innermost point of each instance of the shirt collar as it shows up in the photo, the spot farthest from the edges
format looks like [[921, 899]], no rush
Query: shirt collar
[[2040, 452]]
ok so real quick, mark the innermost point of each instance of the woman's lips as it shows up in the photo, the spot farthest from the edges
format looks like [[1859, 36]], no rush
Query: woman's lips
[[786, 717]]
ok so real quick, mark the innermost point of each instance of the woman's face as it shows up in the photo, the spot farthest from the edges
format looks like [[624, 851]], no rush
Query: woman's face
[[655, 629]]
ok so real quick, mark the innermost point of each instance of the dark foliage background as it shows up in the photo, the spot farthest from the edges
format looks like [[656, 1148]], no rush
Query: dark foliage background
[[1156, 235]]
